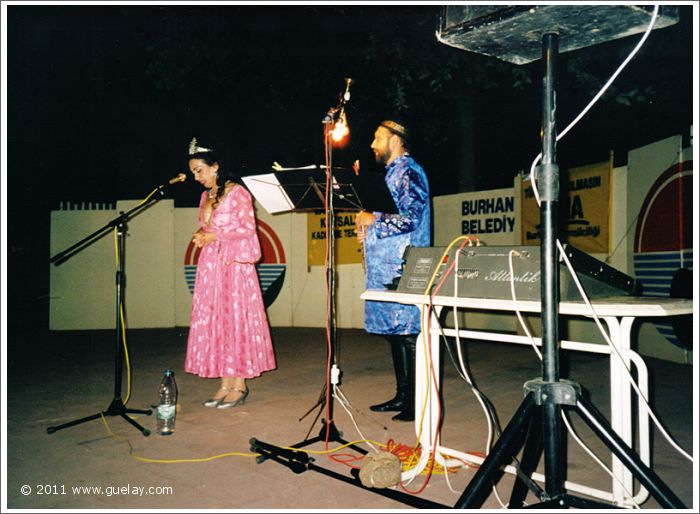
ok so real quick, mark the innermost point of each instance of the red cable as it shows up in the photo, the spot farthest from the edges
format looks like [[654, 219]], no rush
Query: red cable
[[328, 285], [347, 459], [451, 267], [433, 451]]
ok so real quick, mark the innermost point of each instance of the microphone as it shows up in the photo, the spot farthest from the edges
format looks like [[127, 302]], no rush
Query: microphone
[[346, 95], [181, 177]]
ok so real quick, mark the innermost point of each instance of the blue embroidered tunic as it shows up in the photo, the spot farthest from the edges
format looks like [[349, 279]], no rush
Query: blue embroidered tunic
[[386, 241]]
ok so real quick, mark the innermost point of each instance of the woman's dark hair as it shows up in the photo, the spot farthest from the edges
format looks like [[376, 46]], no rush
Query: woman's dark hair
[[210, 157]]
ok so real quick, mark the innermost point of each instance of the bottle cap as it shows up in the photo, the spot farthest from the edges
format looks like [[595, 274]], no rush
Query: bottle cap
[[169, 373]]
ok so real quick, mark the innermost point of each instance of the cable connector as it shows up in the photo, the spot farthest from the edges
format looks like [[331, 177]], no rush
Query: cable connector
[[335, 375]]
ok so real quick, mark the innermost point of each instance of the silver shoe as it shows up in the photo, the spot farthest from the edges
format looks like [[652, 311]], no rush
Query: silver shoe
[[215, 402], [239, 401]]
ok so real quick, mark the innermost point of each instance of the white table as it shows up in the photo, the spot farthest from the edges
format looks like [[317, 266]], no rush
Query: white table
[[618, 313]]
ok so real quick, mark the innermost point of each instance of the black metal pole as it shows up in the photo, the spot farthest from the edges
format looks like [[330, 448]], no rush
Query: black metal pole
[[120, 285], [549, 194]]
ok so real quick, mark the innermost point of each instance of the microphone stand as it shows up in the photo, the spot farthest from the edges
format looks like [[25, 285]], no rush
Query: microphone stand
[[291, 457], [328, 432], [117, 407], [536, 426]]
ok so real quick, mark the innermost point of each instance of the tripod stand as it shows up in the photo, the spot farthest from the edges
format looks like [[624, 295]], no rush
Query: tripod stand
[[117, 407], [325, 401], [536, 426]]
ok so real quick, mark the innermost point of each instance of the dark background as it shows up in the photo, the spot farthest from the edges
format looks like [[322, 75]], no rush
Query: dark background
[[102, 102]]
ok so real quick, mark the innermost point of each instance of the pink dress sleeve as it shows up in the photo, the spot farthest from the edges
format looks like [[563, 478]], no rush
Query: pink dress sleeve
[[233, 222]]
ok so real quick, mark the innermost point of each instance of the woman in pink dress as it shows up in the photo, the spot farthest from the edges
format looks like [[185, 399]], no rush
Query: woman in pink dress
[[229, 334]]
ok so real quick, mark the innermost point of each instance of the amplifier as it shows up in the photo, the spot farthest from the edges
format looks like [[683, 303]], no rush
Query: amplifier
[[484, 272]]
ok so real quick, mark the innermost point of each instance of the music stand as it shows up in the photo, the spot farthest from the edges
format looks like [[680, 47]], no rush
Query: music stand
[[536, 426], [117, 407], [304, 190]]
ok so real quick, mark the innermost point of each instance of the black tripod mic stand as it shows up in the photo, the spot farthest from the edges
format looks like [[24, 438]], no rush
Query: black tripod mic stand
[[117, 407], [536, 426], [328, 432]]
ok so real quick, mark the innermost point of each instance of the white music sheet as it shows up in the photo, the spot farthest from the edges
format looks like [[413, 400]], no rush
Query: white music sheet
[[269, 193]]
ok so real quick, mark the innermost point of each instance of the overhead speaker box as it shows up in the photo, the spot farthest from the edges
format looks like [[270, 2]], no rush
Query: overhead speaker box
[[514, 33]]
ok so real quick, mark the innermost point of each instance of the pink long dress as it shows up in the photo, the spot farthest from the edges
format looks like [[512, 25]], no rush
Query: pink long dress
[[229, 331]]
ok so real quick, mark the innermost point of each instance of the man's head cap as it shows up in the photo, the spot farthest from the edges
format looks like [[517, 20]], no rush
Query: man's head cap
[[396, 128]]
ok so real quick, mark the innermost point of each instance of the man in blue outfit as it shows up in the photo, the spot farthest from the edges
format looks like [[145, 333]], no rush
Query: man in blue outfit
[[385, 237]]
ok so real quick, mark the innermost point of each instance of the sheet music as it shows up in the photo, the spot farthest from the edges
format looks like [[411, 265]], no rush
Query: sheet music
[[304, 189], [268, 191]]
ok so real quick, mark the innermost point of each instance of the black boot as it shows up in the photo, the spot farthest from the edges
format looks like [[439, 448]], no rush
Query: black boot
[[409, 385], [397, 403]]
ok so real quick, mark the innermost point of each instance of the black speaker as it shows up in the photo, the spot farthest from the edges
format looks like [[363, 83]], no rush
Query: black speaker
[[514, 33]]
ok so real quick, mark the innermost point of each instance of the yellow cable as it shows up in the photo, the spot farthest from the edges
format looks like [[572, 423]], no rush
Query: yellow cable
[[426, 295], [121, 317], [169, 461], [202, 459], [229, 454], [324, 452], [126, 357], [147, 198], [121, 311], [116, 248]]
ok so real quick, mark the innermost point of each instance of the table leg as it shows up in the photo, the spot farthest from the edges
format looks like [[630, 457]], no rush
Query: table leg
[[620, 401], [426, 395]]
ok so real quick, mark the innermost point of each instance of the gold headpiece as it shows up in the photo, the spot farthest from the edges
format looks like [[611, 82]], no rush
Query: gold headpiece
[[197, 149]]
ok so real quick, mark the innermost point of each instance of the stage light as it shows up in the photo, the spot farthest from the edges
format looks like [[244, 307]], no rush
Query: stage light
[[341, 128]]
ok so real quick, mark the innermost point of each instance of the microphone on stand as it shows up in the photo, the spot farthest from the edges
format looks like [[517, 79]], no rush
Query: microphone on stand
[[181, 177], [346, 95], [341, 129]]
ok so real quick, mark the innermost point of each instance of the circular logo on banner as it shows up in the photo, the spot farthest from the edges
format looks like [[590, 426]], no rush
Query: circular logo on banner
[[663, 245], [271, 268]]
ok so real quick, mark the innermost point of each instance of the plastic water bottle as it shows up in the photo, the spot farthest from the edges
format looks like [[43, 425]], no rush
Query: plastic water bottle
[[165, 414]]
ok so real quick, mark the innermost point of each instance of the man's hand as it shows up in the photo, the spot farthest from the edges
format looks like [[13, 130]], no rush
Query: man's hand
[[362, 221]]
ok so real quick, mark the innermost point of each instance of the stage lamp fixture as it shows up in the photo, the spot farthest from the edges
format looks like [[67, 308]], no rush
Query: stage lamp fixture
[[341, 128]]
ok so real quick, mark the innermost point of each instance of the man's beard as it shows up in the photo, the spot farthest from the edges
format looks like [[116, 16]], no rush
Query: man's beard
[[381, 158]]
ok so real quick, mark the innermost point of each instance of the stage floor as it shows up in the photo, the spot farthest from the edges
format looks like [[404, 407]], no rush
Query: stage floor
[[61, 376]]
